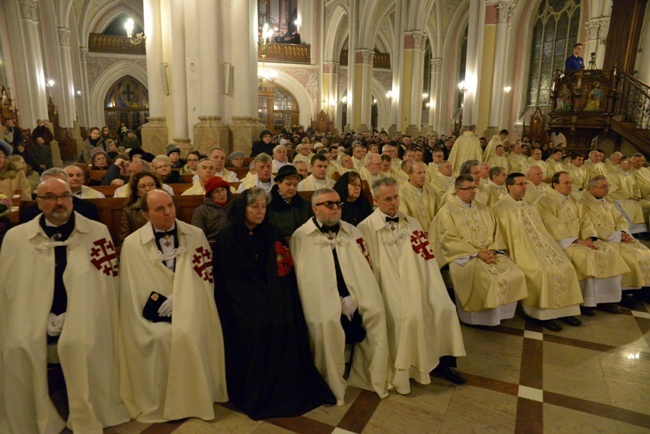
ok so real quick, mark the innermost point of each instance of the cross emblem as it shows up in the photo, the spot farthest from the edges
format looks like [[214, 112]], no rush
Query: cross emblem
[[202, 264], [104, 257], [421, 245]]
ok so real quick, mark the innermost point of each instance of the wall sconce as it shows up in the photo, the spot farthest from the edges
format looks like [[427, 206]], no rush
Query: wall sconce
[[49, 84], [374, 101], [429, 104], [425, 96], [344, 100], [137, 39], [462, 87], [389, 95], [507, 90], [77, 94]]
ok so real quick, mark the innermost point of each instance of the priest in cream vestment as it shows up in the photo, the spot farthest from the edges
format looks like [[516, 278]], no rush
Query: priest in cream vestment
[[171, 370], [553, 289], [597, 264], [336, 283], [466, 147], [612, 227], [423, 329], [486, 282], [418, 199], [86, 326], [626, 193]]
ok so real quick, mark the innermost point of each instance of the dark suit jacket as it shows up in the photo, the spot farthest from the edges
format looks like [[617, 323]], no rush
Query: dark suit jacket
[[83, 207]]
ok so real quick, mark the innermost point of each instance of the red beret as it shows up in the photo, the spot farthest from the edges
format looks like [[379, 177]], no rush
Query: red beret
[[215, 182]]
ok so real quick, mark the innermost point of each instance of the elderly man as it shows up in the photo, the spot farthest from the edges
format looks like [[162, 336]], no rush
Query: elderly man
[[641, 175], [358, 156], [486, 282], [613, 161], [598, 266], [535, 186], [344, 310], [536, 160], [627, 196], [65, 313], [578, 174], [162, 166], [418, 199], [318, 178], [553, 289], [437, 156], [594, 166], [371, 171], [498, 159], [263, 177], [279, 158], [173, 346], [304, 154], [423, 329], [614, 230], [467, 147], [496, 187], [554, 162], [472, 168], [443, 180], [119, 173], [204, 171], [516, 159], [76, 181], [218, 156]]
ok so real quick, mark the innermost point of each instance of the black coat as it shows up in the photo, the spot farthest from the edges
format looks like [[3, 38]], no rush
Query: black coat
[[269, 367], [83, 207], [288, 216]]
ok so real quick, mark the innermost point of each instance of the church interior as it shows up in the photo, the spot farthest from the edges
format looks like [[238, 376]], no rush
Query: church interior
[[205, 74]]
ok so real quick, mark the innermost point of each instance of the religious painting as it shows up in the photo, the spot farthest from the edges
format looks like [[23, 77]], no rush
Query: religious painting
[[127, 101]]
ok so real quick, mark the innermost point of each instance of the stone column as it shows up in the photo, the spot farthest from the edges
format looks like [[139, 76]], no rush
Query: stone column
[[417, 75], [364, 99], [35, 105], [597, 30], [155, 136], [210, 132], [435, 93], [643, 59], [179, 86], [67, 113], [472, 68], [244, 126], [352, 118], [330, 94], [505, 10]]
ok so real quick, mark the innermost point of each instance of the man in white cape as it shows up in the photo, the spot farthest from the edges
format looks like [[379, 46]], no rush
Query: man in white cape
[[423, 328], [324, 306], [170, 370], [87, 328], [486, 282]]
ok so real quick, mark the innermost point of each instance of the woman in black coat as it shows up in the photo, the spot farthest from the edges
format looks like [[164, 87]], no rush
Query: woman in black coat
[[355, 205], [269, 367], [288, 210]]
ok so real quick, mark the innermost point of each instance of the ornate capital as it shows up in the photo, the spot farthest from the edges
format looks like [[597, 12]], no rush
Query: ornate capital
[[29, 9], [64, 36], [83, 53], [436, 64], [368, 56], [597, 29], [418, 40], [505, 10]]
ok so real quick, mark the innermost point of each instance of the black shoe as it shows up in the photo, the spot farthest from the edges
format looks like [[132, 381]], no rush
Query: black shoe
[[552, 325], [450, 374], [587, 311], [628, 302], [610, 308], [572, 321]]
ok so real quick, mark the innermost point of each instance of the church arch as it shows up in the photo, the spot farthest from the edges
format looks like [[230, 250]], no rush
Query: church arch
[[127, 101]]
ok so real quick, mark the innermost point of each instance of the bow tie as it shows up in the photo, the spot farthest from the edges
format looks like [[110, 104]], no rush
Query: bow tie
[[392, 219], [334, 228], [165, 234]]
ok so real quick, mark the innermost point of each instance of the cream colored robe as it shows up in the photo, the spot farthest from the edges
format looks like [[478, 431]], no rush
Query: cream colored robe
[[90, 193], [88, 345], [592, 169], [609, 223], [579, 179], [367, 176], [420, 204], [309, 183], [550, 277], [565, 218], [555, 166], [517, 163], [533, 192], [358, 164], [491, 146], [642, 177], [499, 161], [539, 163], [441, 184], [421, 318], [459, 232], [494, 193], [195, 189], [622, 187], [466, 147], [315, 271], [170, 371]]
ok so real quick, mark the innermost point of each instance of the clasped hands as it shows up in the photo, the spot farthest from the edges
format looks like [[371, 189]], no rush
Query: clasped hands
[[55, 324], [487, 256], [587, 243]]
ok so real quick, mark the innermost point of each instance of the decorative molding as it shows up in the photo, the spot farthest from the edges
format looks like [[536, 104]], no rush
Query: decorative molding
[[436, 64], [83, 54], [368, 56], [97, 66], [64, 36], [418, 40], [505, 10], [597, 29], [29, 9]]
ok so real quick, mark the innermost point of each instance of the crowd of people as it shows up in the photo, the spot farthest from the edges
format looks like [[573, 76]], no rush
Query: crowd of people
[[277, 302]]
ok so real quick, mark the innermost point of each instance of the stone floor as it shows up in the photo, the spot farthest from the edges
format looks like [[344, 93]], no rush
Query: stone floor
[[520, 379]]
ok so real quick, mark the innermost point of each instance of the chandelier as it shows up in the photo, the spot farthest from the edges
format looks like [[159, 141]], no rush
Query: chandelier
[[138, 38], [265, 77]]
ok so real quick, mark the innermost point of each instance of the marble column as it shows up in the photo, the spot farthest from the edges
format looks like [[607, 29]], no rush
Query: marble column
[[364, 97], [352, 117], [244, 126], [155, 135], [330, 90], [473, 64], [643, 59], [417, 76], [66, 106], [178, 73], [210, 132], [596, 30], [34, 106], [505, 10], [435, 93]]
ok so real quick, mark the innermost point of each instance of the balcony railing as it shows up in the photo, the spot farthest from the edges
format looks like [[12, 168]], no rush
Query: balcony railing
[[98, 43], [284, 53], [379, 60]]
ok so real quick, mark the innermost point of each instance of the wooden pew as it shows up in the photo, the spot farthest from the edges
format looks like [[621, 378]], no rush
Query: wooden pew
[[97, 175]]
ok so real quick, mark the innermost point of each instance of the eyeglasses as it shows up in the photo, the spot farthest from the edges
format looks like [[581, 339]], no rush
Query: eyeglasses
[[330, 204], [53, 197], [163, 165], [149, 184], [466, 188], [192, 159]]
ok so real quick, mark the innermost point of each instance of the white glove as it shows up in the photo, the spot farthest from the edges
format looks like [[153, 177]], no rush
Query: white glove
[[55, 324], [165, 309], [348, 306]]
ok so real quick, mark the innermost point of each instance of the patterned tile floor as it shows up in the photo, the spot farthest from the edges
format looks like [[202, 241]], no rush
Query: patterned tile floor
[[520, 379]]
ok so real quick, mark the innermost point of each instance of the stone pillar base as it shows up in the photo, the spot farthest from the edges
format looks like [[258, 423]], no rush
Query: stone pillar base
[[56, 154], [182, 143], [427, 130], [392, 130], [490, 131], [362, 128], [154, 135], [74, 133], [243, 130], [346, 128], [210, 132], [412, 131]]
